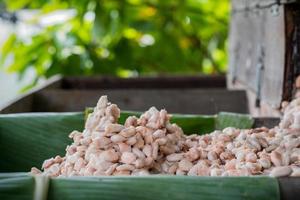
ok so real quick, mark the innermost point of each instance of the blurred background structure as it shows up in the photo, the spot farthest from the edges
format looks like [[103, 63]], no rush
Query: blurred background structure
[[43, 38]]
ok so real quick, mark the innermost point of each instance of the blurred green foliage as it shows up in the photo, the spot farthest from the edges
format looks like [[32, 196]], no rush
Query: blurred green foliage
[[123, 38]]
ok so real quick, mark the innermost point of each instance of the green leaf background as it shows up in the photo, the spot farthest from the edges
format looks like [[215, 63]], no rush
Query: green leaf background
[[122, 38]]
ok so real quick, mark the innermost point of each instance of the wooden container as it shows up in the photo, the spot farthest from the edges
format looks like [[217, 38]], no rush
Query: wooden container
[[187, 95]]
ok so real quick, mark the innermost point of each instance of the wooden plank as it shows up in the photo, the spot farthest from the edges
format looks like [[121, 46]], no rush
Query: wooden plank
[[274, 60], [292, 69], [189, 101], [246, 39], [24, 102], [268, 122], [102, 82], [243, 5], [257, 39], [289, 188]]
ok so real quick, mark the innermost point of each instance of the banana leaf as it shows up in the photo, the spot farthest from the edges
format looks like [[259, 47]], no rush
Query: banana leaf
[[28, 139], [13, 175], [16, 186], [147, 187], [164, 187], [227, 119]]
